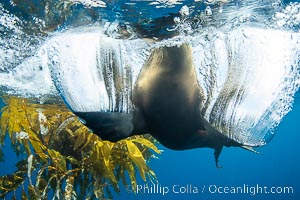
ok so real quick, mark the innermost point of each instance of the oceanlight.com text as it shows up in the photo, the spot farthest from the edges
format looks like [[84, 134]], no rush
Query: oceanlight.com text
[[251, 190], [212, 189]]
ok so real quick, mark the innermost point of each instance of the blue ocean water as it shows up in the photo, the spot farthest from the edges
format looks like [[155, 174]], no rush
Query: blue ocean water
[[192, 174], [277, 165]]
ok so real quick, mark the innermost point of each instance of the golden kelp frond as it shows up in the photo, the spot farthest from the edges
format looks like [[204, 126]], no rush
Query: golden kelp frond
[[66, 157], [11, 182]]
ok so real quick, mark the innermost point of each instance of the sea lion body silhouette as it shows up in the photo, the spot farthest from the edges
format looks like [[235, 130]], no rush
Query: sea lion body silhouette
[[167, 100]]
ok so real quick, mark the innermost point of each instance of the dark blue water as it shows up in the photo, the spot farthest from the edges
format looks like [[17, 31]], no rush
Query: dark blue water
[[277, 166], [190, 175]]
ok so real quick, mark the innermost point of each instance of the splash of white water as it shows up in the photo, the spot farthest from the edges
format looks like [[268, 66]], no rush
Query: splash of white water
[[248, 74], [249, 77], [94, 72]]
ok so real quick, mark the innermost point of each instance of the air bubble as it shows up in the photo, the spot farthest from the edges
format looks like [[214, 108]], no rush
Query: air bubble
[[177, 20], [184, 11], [208, 11]]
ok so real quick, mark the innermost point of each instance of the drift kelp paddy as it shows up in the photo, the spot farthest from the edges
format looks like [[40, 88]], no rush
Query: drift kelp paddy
[[64, 155], [99, 75]]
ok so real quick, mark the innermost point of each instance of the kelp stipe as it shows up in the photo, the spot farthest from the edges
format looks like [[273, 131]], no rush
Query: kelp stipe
[[64, 158]]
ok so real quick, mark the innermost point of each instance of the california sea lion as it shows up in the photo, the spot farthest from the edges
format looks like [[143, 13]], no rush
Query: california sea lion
[[167, 100]]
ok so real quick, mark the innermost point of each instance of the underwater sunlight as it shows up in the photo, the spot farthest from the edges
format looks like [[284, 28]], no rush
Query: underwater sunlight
[[91, 91]]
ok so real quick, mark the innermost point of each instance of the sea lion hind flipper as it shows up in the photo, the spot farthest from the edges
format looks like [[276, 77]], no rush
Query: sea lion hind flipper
[[248, 148], [217, 154]]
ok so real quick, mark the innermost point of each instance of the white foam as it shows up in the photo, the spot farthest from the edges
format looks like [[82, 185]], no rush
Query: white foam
[[92, 71], [253, 81]]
